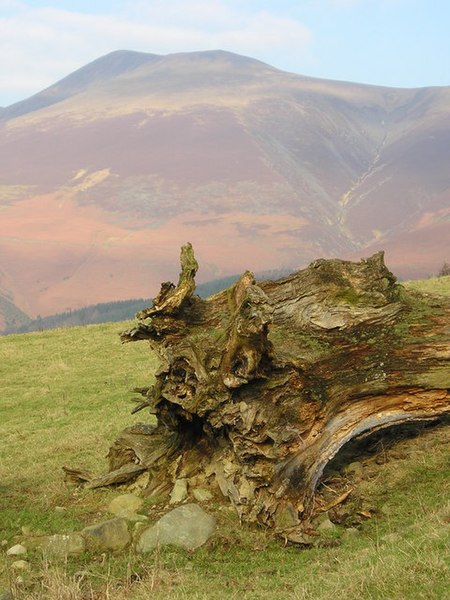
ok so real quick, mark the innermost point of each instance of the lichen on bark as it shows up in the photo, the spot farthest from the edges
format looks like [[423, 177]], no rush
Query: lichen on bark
[[262, 384]]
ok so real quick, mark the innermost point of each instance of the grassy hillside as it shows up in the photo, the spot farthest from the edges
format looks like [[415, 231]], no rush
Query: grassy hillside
[[63, 401], [106, 312], [432, 285]]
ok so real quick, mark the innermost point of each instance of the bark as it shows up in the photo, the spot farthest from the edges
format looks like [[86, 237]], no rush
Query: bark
[[261, 385]]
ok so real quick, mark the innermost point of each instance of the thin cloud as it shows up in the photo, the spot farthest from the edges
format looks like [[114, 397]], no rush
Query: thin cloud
[[345, 3], [40, 45], [348, 4]]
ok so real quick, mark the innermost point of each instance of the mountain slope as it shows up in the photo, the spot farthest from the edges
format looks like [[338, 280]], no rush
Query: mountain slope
[[107, 172], [103, 69]]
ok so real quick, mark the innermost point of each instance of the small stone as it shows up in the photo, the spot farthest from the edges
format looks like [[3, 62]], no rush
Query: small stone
[[202, 495], [16, 550], [300, 538], [4, 543], [61, 546], [286, 517], [126, 503], [137, 529], [109, 535], [60, 509], [326, 525], [187, 526], [20, 565], [179, 491], [133, 517], [319, 519]]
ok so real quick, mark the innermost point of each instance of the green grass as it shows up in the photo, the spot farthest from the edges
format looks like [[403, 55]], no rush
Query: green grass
[[433, 285], [63, 401]]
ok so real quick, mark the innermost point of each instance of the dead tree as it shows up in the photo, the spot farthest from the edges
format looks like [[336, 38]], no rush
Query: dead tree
[[262, 384]]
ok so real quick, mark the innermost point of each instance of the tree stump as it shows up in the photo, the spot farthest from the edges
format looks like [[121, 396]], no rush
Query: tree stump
[[261, 385]]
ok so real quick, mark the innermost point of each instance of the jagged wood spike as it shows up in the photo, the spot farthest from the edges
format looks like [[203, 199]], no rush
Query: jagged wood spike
[[261, 385]]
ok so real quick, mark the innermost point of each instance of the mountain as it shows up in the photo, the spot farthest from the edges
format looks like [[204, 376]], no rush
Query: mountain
[[106, 173]]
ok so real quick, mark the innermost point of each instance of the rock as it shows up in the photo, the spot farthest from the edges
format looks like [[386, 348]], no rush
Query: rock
[[6, 595], [286, 516], [126, 503], [354, 469], [322, 522], [126, 506], [300, 538], [61, 546], [137, 529], [20, 565], [187, 526], [109, 535], [326, 525], [16, 550], [202, 495], [179, 491], [60, 509], [133, 517]]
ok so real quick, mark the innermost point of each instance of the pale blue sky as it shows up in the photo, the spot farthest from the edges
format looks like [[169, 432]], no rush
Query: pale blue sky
[[400, 43]]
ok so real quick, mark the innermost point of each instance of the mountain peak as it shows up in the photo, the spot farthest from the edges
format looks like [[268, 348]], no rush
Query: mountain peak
[[259, 168], [106, 67], [181, 68], [219, 55]]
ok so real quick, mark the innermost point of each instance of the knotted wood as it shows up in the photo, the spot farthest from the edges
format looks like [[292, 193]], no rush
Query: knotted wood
[[261, 385]]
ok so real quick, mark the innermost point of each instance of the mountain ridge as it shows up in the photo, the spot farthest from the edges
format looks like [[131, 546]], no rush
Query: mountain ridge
[[258, 168]]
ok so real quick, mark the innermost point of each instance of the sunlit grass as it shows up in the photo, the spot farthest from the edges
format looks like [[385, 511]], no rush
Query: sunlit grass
[[64, 399], [432, 285]]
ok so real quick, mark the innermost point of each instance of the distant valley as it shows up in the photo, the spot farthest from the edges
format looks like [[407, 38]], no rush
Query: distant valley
[[106, 173]]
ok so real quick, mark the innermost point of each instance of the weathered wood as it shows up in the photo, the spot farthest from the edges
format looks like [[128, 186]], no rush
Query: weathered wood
[[126, 473], [123, 474], [77, 475], [261, 385]]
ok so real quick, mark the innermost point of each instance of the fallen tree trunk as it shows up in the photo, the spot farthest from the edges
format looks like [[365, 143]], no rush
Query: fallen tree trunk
[[262, 384]]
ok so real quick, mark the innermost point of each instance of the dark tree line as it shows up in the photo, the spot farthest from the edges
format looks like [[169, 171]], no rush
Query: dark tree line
[[111, 312], [121, 310]]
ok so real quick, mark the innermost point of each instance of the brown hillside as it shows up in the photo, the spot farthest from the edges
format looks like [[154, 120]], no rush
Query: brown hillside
[[106, 172]]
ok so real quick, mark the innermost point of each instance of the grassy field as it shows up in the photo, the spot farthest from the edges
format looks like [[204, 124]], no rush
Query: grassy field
[[64, 398], [432, 285]]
